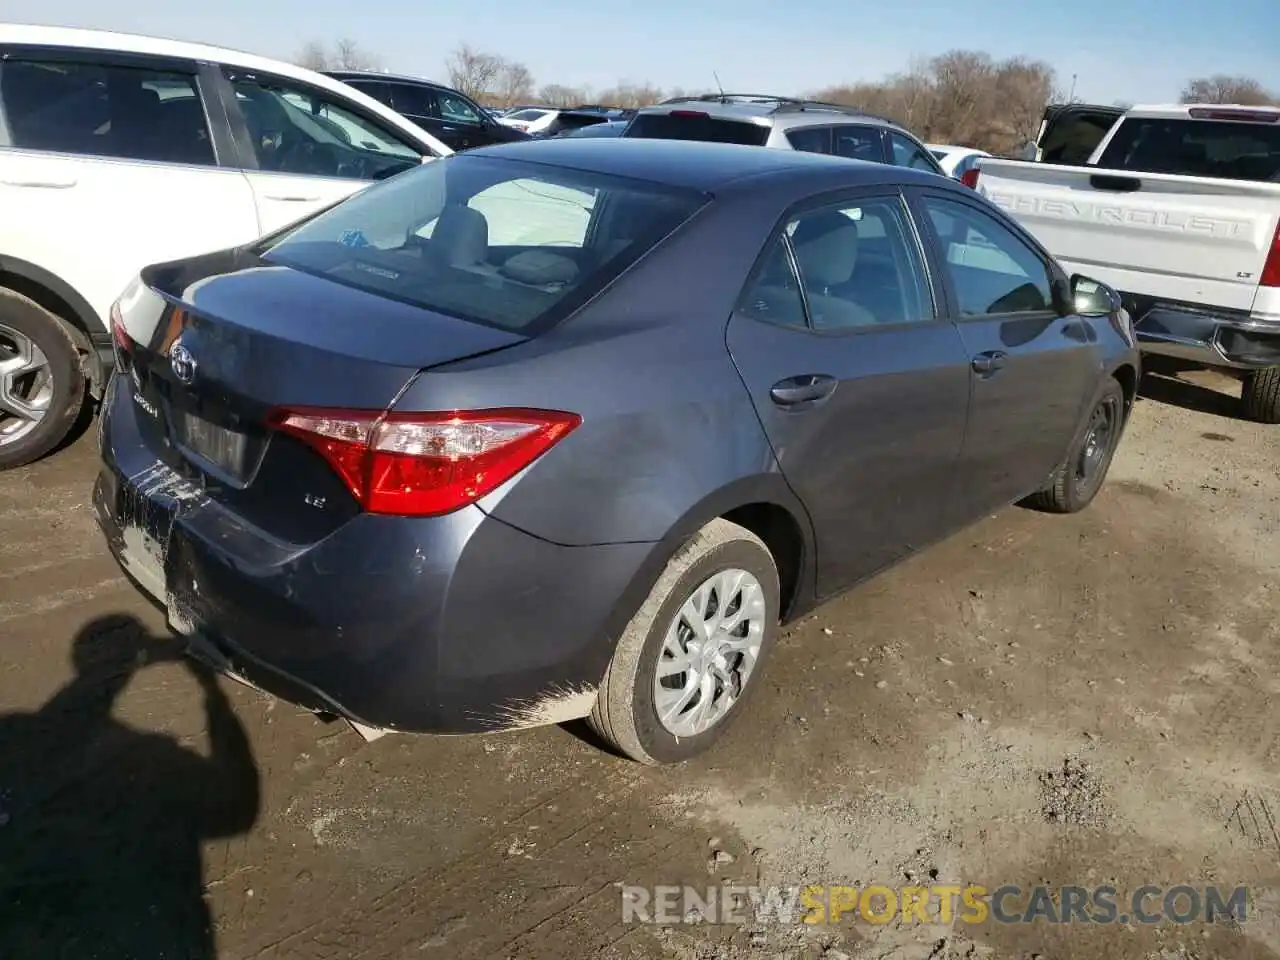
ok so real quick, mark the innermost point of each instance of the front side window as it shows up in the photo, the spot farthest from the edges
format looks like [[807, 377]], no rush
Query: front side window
[[297, 131], [456, 110], [991, 269], [103, 111], [509, 244]]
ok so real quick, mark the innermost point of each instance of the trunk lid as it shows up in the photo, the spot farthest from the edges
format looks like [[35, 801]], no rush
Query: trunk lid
[[217, 343]]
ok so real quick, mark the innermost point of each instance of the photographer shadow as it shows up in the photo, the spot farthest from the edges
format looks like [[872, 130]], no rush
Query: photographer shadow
[[101, 824]]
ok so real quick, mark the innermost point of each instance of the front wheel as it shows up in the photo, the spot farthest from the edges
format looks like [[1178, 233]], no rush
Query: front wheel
[[1260, 399], [1080, 478], [695, 649], [42, 388]]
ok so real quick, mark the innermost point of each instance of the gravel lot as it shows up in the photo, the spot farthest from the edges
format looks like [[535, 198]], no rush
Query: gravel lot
[[1039, 700]]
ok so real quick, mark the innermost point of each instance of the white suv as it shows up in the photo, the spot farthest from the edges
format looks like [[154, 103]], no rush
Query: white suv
[[119, 151]]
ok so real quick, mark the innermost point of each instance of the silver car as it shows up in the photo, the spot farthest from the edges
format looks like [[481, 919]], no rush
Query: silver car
[[784, 123]]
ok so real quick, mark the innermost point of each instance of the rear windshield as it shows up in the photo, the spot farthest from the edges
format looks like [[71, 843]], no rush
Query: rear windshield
[[510, 244], [1225, 149], [671, 126], [527, 114]]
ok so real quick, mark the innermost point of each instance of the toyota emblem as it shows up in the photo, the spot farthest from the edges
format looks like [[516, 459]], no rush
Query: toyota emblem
[[182, 362]]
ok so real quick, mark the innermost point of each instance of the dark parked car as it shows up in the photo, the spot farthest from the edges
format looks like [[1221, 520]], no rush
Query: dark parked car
[[567, 428], [443, 112]]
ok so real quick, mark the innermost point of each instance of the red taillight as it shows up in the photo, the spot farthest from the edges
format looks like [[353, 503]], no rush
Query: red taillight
[[1271, 269], [118, 332], [689, 113], [970, 178], [425, 464]]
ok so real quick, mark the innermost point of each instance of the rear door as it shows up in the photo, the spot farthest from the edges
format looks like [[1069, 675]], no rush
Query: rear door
[[861, 385], [1032, 369], [304, 148], [109, 162]]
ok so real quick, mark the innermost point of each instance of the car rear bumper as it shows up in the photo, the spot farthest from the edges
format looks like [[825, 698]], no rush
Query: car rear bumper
[[450, 624], [1201, 335]]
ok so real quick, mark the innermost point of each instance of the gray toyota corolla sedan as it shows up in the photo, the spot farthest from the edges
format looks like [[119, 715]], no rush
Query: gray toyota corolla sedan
[[566, 429]]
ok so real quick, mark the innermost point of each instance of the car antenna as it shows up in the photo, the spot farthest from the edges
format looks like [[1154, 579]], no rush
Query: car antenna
[[723, 98]]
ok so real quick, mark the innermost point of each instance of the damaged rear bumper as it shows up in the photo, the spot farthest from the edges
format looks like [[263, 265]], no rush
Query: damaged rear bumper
[[452, 624]]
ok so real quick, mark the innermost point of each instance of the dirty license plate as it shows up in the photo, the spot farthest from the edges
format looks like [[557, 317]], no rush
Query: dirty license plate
[[223, 448]]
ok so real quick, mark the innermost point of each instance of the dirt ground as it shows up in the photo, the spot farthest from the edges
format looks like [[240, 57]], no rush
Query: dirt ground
[[909, 729]]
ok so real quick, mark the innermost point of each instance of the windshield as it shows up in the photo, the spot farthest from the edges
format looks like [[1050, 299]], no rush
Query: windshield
[[513, 245], [697, 126], [1225, 149]]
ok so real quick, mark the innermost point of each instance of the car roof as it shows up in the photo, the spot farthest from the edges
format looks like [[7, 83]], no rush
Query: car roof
[[388, 77], [699, 165], [764, 109]]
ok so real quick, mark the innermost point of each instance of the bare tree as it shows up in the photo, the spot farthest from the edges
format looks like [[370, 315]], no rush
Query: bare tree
[[473, 71], [1221, 88], [629, 95], [313, 56], [557, 95], [346, 54], [349, 55], [513, 84]]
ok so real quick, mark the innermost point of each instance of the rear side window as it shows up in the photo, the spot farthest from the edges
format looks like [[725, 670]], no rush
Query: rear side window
[[512, 245], [692, 125], [101, 111], [810, 139], [859, 143], [417, 101], [1200, 148]]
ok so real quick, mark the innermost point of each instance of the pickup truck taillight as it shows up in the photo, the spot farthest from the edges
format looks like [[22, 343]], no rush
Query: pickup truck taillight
[[1271, 269], [970, 178]]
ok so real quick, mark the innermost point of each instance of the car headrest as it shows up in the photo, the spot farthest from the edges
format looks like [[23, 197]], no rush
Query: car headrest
[[827, 249], [462, 235]]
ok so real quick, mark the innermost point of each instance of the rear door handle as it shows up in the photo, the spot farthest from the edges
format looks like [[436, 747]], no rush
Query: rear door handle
[[989, 362], [806, 389]]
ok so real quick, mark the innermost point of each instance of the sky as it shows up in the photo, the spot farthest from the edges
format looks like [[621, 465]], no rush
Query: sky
[[1138, 51]]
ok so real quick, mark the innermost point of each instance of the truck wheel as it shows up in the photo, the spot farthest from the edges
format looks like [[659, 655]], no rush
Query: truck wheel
[[1078, 480], [1260, 399], [694, 650], [42, 388]]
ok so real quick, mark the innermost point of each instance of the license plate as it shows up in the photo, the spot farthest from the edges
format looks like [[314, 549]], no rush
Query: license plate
[[223, 448]]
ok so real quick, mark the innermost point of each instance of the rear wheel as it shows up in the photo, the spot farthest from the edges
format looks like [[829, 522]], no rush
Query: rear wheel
[[1078, 481], [42, 389], [695, 649], [1260, 398]]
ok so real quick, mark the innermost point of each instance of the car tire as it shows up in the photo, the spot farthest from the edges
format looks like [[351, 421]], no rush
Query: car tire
[[626, 713], [1260, 398], [55, 380], [1078, 480]]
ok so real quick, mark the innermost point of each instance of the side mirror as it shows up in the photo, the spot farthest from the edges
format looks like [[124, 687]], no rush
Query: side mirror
[[1092, 298]]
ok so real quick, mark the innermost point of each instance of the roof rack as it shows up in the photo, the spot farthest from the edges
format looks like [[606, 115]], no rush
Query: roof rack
[[782, 103]]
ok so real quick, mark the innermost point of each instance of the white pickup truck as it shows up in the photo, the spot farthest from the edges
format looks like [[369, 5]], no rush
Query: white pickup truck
[[1178, 208]]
